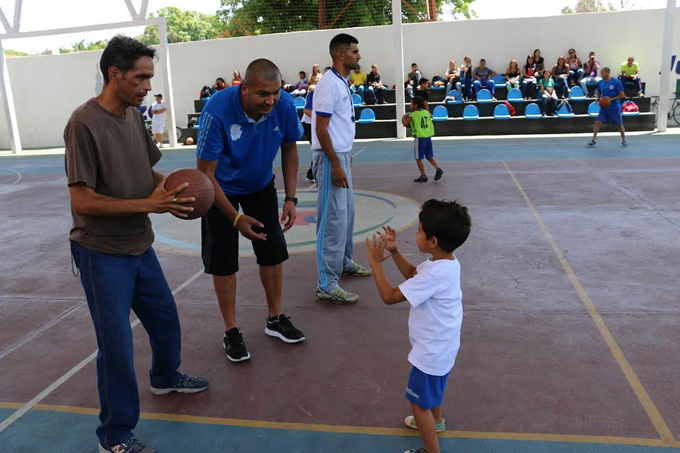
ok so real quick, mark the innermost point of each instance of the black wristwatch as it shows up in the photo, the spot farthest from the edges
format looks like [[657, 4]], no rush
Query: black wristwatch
[[293, 199]]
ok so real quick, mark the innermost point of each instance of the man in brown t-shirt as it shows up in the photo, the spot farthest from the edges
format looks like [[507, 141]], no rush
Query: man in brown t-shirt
[[113, 188]]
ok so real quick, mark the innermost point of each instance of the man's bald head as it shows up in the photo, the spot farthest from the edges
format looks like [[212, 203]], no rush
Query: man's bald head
[[262, 69]]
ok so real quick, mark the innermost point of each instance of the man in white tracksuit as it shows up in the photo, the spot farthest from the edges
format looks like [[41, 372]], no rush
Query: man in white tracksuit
[[158, 120], [333, 129]]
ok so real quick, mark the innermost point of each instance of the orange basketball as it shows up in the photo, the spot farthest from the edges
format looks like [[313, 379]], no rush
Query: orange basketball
[[200, 187], [189, 141], [605, 102]]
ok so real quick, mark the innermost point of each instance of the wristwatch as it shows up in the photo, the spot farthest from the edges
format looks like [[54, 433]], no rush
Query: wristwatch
[[293, 199]]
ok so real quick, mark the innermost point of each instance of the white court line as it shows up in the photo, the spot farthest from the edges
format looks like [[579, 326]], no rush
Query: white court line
[[16, 181], [360, 151], [56, 384]]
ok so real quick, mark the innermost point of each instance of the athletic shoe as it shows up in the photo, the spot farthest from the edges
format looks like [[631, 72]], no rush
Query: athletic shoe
[[438, 174], [591, 144], [420, 450], [234, 345], [131, 445], [421, 178], [183, 384], [411, 423], [281, 327], [337, 296], [357, 270], [310, 176], [624, 144]]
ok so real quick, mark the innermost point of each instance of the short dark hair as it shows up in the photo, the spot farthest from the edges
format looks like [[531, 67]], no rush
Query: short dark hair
[[414, 64], [263, 68], [419, 102], [341, 42], [304, 74], [423, 81], [482, 59], [123, 52], [446, 220]]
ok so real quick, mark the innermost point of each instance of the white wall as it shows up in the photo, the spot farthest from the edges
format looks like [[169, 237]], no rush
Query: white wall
[[47, 88]]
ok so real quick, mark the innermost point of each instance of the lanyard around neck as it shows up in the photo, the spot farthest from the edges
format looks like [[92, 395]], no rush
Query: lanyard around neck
[[349, 93]]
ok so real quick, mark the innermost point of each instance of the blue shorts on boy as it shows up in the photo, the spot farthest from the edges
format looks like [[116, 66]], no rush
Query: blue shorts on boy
[[611, 115], [611, 88], [422, 148], [434, 325]]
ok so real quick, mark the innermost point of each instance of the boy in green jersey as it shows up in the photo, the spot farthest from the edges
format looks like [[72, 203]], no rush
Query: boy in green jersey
[[420, 122]]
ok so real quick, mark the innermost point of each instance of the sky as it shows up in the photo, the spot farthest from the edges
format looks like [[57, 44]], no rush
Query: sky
[[50, 14]]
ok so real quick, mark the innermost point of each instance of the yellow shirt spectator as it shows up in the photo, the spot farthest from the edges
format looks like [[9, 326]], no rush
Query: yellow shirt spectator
[[358, 78], [629, 70]]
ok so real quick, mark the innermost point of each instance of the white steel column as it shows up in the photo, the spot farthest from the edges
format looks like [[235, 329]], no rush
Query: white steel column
[[8, 102], [398, 72], [666, 50], [167, 86]]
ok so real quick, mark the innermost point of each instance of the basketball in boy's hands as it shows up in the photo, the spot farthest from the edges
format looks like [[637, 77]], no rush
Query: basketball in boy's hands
[[200, 188], [605, 102]]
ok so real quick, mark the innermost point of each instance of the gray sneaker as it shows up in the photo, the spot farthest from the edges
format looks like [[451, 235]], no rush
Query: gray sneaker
[[183, 384], [131, 445], [624, 144], [337, 296], [357, 270]]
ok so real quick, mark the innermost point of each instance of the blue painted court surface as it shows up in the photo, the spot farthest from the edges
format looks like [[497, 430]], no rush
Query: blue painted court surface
[[569, 344]]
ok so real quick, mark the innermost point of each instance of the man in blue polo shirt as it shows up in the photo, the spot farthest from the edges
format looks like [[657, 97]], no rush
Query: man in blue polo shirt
[[333, 131], [242, 128], [613, 89]]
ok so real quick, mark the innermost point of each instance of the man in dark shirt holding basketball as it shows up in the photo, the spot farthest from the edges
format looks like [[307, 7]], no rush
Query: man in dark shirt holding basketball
[[113, 188]]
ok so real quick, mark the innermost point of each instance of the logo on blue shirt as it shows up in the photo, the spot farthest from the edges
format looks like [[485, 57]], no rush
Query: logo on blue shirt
[[235, 131]]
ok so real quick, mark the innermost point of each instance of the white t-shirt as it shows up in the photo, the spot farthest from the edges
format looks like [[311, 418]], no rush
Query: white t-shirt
[[436, 315], [333, 99], [158, 118]]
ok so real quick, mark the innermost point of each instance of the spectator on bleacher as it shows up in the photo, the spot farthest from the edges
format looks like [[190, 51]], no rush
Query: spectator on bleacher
[[590, 73], [412, 80], [548, 94], [512, 75], [630, 71], [422, 91], [314, 77], [307, 126], [237, 78], [300, 85], [575, 68], [560, 74], [374, 87], [466, 77], [219, 85], [357, 82], [540, 64], [529, 79], [482, 75], [452, 76], [205, 93]]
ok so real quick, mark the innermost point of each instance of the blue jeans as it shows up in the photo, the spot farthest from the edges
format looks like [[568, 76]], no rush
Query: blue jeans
[[575, 77], [528, 87], [488, 83], [113, 285]]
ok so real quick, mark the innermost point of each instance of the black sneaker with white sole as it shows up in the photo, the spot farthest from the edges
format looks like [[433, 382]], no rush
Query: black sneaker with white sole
[[281, 328], [438, 174], [421, 178], [131, 445], [234, 345]]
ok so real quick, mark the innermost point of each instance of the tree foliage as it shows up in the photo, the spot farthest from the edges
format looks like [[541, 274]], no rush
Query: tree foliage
[[81, 46], [254, 17], [596, 6], [183, 26]]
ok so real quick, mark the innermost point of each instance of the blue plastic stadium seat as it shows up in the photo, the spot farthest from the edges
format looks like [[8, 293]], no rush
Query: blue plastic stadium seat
[[501, 112], [437, 87], [499, 80], [454, 97], [440, 113], [367, 116], [484, 96], [577, 94], [564, 113], [299, 102], [533, 112], [470, 113], [515, 95], [594, 109], [356, 100]]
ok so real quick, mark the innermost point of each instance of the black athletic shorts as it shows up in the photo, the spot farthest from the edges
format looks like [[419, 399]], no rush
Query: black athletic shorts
[[219, 238]]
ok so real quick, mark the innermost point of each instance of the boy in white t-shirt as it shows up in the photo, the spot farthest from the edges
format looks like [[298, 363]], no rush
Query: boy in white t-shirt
[[433, 290]]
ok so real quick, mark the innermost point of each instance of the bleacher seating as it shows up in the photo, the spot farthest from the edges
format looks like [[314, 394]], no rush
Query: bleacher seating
[[501, 112], [356, 100], [564, 113], [367, 116], [577, 94], [455, 115], [484, 96], [515, 96], [299, 103]]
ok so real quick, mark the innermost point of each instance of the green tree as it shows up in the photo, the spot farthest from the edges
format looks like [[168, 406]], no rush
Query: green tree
[[183, 26], [588, 6], [81, 46], [254, 17], [16, 53]]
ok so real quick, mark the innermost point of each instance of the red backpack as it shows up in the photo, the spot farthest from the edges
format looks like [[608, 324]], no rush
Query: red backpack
[[629, 107], [511, 109]]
